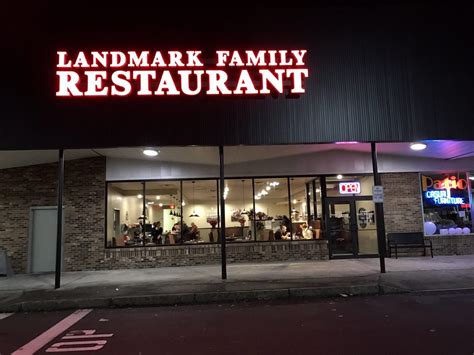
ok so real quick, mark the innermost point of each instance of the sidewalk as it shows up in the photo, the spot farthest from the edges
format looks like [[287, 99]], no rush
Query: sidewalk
[[202, 284]]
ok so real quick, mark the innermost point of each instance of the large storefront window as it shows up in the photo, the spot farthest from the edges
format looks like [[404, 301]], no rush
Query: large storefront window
[[126, 213], [155, 213], [238, 197], [304, 223], [163, 212], [272, 210], [447, 203], [200, 211]]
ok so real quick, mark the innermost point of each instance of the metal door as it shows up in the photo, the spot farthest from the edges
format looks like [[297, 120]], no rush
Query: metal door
[[43, 230]]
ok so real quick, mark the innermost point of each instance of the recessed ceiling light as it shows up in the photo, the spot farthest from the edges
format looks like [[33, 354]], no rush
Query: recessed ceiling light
[[339, 177], [417, 146], [150, 152]]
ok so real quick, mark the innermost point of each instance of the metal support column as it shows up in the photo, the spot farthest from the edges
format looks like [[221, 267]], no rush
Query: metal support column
[[379, 210], [59, 233], [222, 214]]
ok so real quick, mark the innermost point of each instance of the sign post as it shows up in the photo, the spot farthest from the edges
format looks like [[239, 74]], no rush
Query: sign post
[[378, 199]]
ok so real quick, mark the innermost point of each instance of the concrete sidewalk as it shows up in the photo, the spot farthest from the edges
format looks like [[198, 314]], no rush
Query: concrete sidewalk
[[198, 284]]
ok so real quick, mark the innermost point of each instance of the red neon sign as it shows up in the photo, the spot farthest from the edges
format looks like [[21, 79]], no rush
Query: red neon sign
[[145, 73], [346, 188]]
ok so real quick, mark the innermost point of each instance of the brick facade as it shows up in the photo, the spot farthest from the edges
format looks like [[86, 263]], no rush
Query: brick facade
[[84, 206], [452, 244], [182, 255], [402, 202], [84, 203]]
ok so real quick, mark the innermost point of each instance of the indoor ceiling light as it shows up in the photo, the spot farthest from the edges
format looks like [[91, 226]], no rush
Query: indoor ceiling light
[[194, 214], [294, 201], [339, 177], [471, 177], [150, 152], [139, 196], [160, 204], [268, 188], [184, 203], [157, 197], [417, 146], [318, 190]]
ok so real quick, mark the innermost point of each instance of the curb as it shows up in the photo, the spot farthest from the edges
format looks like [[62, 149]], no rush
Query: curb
[[192, 298]]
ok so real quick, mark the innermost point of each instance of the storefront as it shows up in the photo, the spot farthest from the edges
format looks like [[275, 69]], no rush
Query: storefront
[[265, 147]]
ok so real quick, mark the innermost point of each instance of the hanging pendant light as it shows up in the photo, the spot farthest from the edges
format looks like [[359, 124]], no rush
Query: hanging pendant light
[[194, 214], [244, 211]]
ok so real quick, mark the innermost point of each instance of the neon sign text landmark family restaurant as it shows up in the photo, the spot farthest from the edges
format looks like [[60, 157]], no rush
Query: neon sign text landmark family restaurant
[[158, 73]]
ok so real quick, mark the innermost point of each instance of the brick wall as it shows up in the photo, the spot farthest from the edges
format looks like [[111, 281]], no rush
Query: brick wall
[[402, 202], [452, 244], [84, 204], [182, 255]]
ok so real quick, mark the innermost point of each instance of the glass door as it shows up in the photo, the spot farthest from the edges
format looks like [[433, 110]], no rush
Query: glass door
[[351, 226], [341, 227], [366, 227]]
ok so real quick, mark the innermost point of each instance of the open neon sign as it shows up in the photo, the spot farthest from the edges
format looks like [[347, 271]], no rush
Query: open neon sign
[[173, 73], [347, 188]]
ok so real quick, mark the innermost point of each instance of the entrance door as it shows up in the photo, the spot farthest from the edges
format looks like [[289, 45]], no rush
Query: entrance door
[[351, 226], [43, 230], [341, 227]]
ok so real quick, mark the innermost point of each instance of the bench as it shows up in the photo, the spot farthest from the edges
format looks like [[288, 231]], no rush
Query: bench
[[408, 240]]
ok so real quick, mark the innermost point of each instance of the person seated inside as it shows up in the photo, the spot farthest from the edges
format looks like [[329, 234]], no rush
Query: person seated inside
[[282, 233], [194, 233], [156, 232], [306, 233], [175, 234]]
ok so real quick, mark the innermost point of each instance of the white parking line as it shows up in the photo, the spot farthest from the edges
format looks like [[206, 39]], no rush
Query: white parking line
[[5, 315], [52, 333]]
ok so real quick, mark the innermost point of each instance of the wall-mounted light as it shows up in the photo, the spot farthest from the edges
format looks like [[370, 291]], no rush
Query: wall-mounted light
[[418, 146], [150, 152]]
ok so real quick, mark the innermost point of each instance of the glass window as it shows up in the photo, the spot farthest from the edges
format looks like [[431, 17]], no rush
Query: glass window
[[200, 211], [299, 211], [446, 203], [125, 214], [163, 212], [305, 224], [238, 196], [272, 209]]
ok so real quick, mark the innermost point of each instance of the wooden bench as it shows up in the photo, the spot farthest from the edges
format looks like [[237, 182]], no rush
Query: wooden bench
[[408, 240]]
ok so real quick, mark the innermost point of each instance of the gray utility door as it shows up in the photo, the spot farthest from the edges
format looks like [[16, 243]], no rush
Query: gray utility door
[[43, 230]]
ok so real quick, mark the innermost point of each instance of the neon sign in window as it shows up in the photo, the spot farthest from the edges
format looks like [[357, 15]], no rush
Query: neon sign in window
[[349, 188], [440, 190]]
